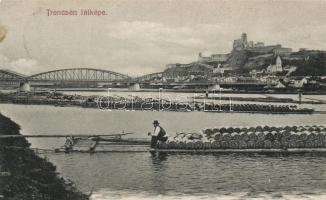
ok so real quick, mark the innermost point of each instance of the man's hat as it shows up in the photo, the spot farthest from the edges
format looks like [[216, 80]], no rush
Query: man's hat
[[155, 122]]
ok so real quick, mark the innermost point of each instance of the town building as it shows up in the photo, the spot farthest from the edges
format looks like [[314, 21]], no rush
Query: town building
[[298, 82], [275, 68], [202, 58], [255, 72], [185, 71], [259, 44], [281, 51], [216, 58], [220, 69]]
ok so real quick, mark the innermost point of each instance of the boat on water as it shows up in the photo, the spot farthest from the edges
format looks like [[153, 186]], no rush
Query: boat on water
[[104, 144], [130, 145], [287, 140]]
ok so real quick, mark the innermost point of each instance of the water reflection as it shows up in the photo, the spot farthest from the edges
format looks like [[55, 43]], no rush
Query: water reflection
[[158, 174], [186, 174]]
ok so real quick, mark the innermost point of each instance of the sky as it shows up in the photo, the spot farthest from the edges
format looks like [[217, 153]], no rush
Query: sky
[[138, 37]]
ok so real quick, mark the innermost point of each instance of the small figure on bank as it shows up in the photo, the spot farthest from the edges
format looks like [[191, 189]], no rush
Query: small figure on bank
[[300, 96], [159, 134]]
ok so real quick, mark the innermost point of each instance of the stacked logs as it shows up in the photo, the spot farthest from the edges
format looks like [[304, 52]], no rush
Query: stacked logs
[[138, 103], [250, 138]]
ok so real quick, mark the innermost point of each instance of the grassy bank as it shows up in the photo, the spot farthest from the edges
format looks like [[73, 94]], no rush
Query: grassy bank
[[24, 175]]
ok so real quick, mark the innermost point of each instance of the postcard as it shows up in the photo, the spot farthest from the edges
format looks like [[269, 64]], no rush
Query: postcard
[[164, 99]]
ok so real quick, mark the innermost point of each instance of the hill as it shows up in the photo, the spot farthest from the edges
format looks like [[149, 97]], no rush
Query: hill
[[308, 62]]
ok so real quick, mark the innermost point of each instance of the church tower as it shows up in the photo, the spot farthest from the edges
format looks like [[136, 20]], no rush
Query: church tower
[[279, 64]]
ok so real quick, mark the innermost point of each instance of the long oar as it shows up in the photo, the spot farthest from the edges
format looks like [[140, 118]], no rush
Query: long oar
[[61, 135]]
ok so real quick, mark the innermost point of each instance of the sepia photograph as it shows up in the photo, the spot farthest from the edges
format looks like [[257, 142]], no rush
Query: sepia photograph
[[162, 99]]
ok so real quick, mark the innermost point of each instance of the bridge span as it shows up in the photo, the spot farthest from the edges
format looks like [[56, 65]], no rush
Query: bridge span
[[79, 74], [95, 78]]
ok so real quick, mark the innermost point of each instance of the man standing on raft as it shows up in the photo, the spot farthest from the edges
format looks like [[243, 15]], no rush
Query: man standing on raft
[[159, 134]]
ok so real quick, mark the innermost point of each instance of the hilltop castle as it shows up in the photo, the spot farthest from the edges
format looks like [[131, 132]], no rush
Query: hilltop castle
[[259, 47], [243, 44]]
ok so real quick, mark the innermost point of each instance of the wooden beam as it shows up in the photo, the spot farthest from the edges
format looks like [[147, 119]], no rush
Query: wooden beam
[[61, 135]]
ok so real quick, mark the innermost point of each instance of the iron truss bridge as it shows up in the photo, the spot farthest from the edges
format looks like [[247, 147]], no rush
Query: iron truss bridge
[[79, 75], [90, 75], [70, 75], [7, 75]]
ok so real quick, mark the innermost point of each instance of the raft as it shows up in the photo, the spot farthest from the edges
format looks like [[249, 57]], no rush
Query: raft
[[249, 139], [223, 140], [242, 151]]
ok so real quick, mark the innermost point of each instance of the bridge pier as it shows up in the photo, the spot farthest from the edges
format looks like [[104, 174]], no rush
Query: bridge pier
[[134, 87], [24, 87], [214, 87]]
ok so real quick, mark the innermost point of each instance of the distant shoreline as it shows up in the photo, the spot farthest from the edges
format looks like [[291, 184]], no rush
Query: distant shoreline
[[179, 91]]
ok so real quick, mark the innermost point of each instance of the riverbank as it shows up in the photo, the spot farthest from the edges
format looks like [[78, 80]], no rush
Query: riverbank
[[320, 92], [24, 175]]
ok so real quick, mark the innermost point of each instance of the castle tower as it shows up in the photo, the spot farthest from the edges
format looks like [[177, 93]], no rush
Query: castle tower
[[244, 40], [244, 37], [200, 56], [240, 43]]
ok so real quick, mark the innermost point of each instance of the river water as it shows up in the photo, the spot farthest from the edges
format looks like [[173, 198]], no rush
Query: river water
[[138, 175]]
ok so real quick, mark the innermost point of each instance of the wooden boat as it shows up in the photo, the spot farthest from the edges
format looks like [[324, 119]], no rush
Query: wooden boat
[[105, 144], [90, 143]]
